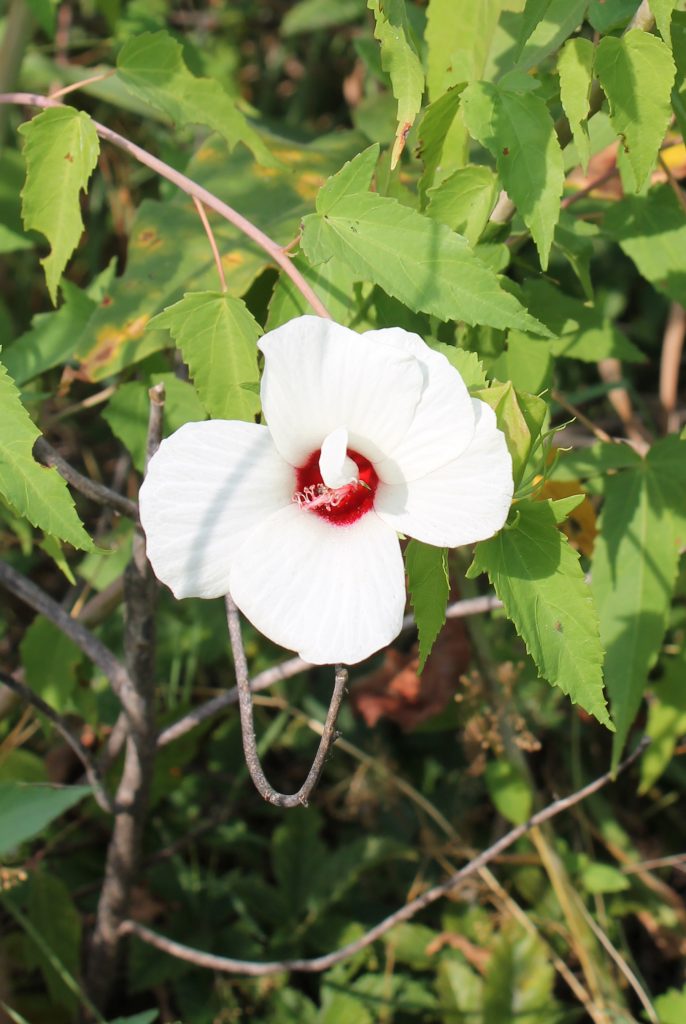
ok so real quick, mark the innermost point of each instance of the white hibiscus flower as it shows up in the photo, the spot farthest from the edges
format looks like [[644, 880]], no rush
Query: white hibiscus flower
[[367, 436]]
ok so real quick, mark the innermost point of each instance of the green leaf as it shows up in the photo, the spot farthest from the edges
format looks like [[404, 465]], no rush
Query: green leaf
[[429, 586], [634, 572], [35, 492], [519, 416], [519, 981], [218, 338], [637, 73], [52, 912], [602, 878], [147, 1017], [50, 341], [12, 241], [545, 25], [464, 200], [54, 678], [580, 330], [355, 176], [509, 791], [333, 282], [574, 239], [128, 411], [435, 133], [313, 15], [413, 258], [516, 127], [458, 38], [525, 361], [467, 363], [25, 810], [575, 67], [662, 9], [608, 15], [61, 150], [651, 230], [152, 67], [537, 576], [666, 719], [399, 58], [297, 857], [671, 1006]]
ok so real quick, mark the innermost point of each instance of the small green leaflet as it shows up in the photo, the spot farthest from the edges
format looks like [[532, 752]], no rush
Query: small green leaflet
[[218, 338], [414, 259], [61, 151], [152, 67], [516, 127], [575, 67], [636, 556], [637, 73], [464, 200], [537, 576], [509, 791], [651, 230], [34, 492], [662, 9], [429, 585], [399, 58]]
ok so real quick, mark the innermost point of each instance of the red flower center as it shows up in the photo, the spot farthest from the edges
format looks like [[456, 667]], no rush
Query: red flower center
[[338, 505]]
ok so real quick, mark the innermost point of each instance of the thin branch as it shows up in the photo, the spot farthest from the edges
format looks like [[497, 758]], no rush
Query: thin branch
[[256, 969], [252, 756], [44, 451], [213, 242], [191, 188], [610, 371], [92, 774], [124, 849], [59, 93], [670, 364], [93, 648], [294, 666], [597, 432]]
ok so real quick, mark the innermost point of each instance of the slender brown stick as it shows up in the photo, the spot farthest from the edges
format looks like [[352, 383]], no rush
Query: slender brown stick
[[212, 240], [670, 364], [124, 850], [59, 93], [256, 969], [294, 666], [598, 432], [93, 648], [191, 188], [92, 773], [46, 454], [252, 756]]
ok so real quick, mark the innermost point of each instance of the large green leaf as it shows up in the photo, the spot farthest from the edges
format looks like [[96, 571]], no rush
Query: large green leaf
[[218, 338], [399, 58], [429, 586], [651, 229], [35, 492], [519, 132], [636, 72], [537, 576], [458, 37], [152, 67], [575, 67], [61, 150], [25, 810], [643, 525], [411, 257]]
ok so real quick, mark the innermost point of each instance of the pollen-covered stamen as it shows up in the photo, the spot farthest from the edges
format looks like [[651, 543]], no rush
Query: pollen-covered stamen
[[338, 505]]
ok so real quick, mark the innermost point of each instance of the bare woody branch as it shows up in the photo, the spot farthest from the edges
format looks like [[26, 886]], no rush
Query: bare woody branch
[[191, 188], [44, 451], [255, 969], [252, 757], [124, 850], [26, 694], [294, 666]]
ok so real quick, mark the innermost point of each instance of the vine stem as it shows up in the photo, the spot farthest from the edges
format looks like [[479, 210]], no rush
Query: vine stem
[[191, 188], [255, 969]]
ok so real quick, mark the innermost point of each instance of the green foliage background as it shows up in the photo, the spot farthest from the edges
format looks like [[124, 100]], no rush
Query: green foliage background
[[503, 178]]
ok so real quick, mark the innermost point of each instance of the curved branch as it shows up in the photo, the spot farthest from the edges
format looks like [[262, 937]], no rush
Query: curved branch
[[26, 694], [254, 969], [45, 453], [252, 757], [192, 189]]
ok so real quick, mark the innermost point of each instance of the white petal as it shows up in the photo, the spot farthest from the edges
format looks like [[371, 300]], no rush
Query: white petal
[[336, 468], [443, 423], [206, 487], [319, 376], [464, 501], [331, 593]]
